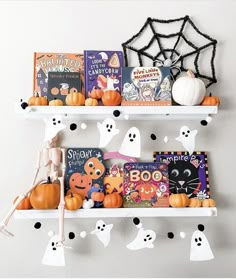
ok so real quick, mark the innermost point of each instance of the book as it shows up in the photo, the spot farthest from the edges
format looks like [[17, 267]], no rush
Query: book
[[85, 171], [45, 62], [146, 86], [103, 70], [113, 180], [60, 84], [145, 185], [187, 173]]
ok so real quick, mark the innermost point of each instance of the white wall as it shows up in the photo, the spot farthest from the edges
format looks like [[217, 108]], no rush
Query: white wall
[[72, 26]]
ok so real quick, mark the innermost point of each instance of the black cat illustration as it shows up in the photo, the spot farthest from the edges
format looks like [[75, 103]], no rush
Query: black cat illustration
[[184, 178]]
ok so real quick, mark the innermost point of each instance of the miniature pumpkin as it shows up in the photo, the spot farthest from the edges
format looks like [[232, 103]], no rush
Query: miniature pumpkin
[[97, 196], [56, 102], [96, 93], [208, 203], [113, 200], [75, 99], [37, 100], [91, 102], [45, 196], [24, 204], [111, 98], [210, 101], [179, 200], [73, 201], [195, 202], [188, 90]]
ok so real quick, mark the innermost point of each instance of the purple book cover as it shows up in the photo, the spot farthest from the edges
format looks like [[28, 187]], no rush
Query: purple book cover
[[103, 70], [187, 173]]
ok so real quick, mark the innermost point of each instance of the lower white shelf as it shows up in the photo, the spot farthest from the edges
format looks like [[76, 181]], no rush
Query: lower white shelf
[[118, 212]]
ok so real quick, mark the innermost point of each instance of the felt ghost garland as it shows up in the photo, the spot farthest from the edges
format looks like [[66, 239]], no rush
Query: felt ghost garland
[[187, 138], [107, 130], [53, 126], [103, 232], [131, 144]]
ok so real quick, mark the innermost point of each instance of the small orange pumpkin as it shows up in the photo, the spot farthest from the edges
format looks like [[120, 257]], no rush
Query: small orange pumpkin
[[37, 100], [75, 99], [113, 200], [24, 204], [210, 101], [97, 196], [73, 201], [45, 196], [208, 203], [179, 200], [111, 98], [91, 102], [96, 93], [56, 102], [195, 202]]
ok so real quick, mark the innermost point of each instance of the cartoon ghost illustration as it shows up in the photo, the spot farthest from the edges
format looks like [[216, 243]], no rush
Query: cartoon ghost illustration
[[54, 255], [103, 232], [131, 145], [107, 130], [200, 248], [53, 126], [187, 138]]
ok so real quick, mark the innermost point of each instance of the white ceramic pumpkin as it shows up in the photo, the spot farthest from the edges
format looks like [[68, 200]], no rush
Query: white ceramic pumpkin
[[188, 90], [87, 204]]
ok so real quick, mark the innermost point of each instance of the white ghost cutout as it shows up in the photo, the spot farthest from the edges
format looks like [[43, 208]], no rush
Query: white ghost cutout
[[144, 239], [131, 145], [103, 232], [54, 255], [200, 248], [107, 130], [53, 126], [187, 138]]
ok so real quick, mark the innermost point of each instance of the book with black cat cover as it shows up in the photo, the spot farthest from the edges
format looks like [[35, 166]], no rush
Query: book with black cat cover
[[187, 173]]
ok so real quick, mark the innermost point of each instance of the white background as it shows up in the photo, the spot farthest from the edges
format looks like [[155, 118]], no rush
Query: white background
[[72, 26]]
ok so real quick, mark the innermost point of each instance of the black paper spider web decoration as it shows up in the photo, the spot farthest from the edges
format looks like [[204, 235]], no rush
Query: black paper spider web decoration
[[173, 51]]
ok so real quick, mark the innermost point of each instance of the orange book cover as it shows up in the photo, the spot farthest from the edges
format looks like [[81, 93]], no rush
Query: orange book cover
[[45, 62]]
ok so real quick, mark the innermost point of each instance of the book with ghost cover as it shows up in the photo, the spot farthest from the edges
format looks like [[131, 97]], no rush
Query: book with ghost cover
[[45, 62], [187, 173], [85, 171], [145, 185], [146, 86]]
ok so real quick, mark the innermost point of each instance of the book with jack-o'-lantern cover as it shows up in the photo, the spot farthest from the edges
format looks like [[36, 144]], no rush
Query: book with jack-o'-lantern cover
[[145, 185], [84, 173]]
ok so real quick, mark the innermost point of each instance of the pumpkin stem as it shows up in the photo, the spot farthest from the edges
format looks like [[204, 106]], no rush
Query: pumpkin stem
[[71, 195], [210, 95], [190, 74]]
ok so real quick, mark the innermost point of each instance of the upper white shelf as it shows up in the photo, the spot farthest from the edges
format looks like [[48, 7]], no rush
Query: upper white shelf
[[126, 112], [118, 212]]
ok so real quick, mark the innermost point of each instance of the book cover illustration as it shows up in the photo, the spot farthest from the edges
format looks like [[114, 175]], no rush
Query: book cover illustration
[[113, 180], [103, 70], [145, 185], [84, 172], [187, 173], [146, 86], [55, 62], [60, 84]]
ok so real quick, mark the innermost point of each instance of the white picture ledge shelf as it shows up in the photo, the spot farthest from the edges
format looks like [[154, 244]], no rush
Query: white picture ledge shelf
[[127, 112], [118, 212]]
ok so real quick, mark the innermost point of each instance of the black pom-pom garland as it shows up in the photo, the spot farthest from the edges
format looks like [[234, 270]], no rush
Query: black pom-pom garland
[[170, 235], [37, 225], [201, 227], [136, 221], [116, 113], [73, 126], [71, 235]]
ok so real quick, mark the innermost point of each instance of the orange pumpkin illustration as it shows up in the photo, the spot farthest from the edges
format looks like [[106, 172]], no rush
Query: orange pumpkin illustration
[[80, 184], [146, 191], [94, 168]]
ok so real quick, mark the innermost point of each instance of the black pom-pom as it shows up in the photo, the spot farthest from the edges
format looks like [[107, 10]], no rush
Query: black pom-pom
[[170, 235], [136, 221], [201, 227], [37, 225], [73, 126], [116, 113], [71, 235], [24, 105], [153, 137], [204, 123]]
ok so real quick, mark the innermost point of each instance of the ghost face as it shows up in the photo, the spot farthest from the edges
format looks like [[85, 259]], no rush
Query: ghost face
[[107, 130], [103, 231], [200, 248], [144, 239], [53, 126], [94, 168], [54, 255], [131, 143]]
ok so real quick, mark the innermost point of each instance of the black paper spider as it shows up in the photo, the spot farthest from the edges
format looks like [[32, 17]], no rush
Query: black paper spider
[[175, 42]]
